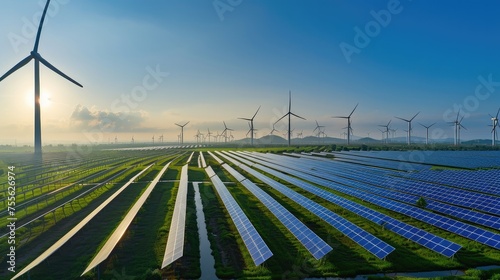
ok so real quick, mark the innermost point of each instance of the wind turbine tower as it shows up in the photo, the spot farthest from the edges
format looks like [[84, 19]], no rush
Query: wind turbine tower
[[181, 139], [427, 132], [409, 127], [38, 59], [289, 114]]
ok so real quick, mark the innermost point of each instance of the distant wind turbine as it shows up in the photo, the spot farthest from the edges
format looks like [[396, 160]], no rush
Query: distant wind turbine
[[409, 127], [386, 131], [457, 125], [318, 128], [494, 129], [38, 59], [209, 134], [349, 128], [427, 132], [289, 114], [224, 132], [251, 125], [181, 139]]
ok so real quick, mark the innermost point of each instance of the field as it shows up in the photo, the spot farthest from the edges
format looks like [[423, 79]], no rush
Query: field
[[55, 193]]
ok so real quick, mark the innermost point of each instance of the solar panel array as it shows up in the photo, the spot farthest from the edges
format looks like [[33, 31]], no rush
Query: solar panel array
[[110, 244], [485, 181], [460, 228], [77, 228], [431, 241], [310, 240], [408, 192], [463, 159], [175, 241], [368, 241], [258, 249]]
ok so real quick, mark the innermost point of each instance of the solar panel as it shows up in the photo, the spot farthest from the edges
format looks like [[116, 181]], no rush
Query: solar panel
[[368, 241], [380, 184], [457, 227], [77, 228], [175, 241], [203, 163], [435, 243], [310, 240], [253, 241], [122, 227], [190, 157], [219, 161]]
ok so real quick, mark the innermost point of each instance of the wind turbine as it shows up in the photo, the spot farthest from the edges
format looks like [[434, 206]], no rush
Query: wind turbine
[[273, 130], [289, 114], [208, 135], [386, 131], [349, 128], [427, 132], [251, 125], [457, 124], [38, 59], [494, 129], [409, 126], [224, 132], [182, 132], [318, 127]]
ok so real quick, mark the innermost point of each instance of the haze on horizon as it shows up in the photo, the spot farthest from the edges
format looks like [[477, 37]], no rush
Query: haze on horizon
[[146, 67]]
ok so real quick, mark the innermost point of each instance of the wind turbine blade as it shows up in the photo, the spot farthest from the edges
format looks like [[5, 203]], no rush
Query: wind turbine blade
[[339, 117], [281, 118], [255, 113], [496, 117], [51, 67], [17, 66], [186, 123], [245, 119], [353, 110], [402, 119], [37, 41], [432, 124], [297, 116], [414, 116], [289, 101], [389, 123]]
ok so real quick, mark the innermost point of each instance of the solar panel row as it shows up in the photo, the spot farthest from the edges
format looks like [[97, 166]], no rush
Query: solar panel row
[[310, 240], [258, 249], [434, 242], [368, 241], [110, 244], [373, 183], [77, 228], [175, 242], [219, 161], [485, 181], [457, 227]]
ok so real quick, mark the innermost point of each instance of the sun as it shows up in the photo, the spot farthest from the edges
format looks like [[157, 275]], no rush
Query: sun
[[45, 98]]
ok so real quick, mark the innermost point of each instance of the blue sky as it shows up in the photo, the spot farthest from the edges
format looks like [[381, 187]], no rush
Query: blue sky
[[223, 64]]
